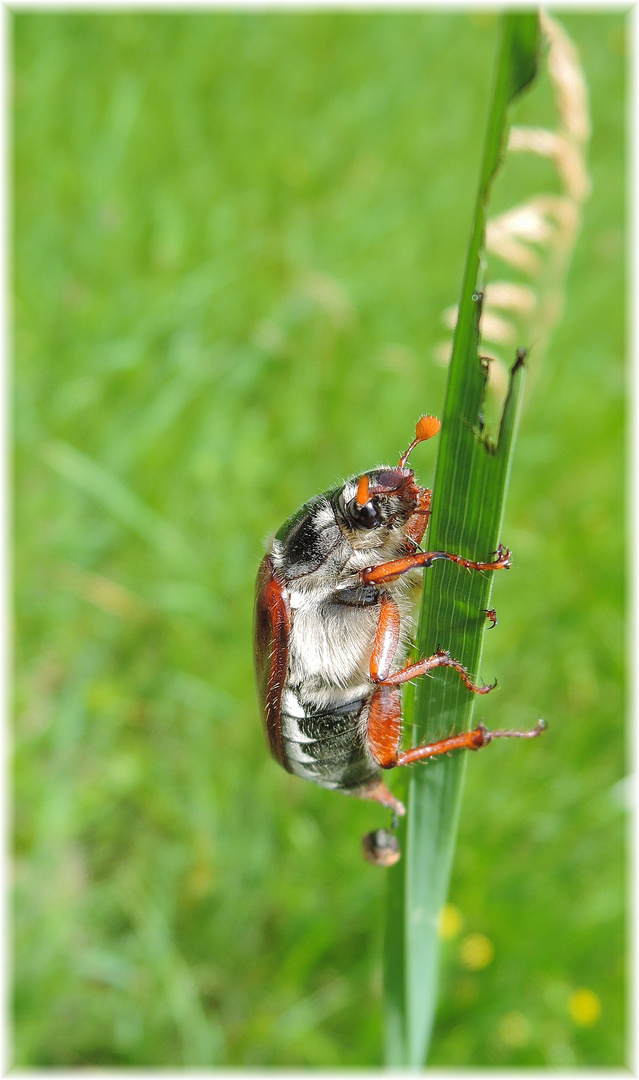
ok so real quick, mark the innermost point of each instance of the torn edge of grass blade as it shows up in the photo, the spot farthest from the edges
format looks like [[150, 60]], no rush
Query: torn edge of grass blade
[[531, 242], [469, 490]]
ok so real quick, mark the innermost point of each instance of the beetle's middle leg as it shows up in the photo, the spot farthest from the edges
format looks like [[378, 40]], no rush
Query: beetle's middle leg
[[385, 647], [384, 728]]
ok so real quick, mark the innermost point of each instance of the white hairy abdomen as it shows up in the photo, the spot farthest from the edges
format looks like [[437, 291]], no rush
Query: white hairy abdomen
[[330, 645]]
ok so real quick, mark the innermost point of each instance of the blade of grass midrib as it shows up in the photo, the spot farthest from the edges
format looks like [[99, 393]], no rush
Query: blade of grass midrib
[[467, 510], [435, 791]]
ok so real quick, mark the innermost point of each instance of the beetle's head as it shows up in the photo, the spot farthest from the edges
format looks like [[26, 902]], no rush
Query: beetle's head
[[373, 506], [369, 506]]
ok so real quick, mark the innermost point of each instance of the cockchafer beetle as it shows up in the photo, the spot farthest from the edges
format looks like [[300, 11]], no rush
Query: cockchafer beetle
[[333, 619]]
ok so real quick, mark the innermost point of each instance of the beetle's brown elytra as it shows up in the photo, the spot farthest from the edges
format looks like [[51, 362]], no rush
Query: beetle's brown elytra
[[334, 614]]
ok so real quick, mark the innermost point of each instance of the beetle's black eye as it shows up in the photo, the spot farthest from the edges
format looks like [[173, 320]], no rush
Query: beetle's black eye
[[366, 516]]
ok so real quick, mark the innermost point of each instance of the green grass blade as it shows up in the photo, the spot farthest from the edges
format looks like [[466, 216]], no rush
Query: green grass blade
[[117, 499], [470, 485]]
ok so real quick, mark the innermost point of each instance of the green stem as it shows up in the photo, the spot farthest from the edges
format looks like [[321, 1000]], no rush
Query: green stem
[[468, 500]]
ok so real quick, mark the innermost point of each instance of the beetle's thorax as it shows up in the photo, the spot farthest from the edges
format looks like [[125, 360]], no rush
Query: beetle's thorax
[[318, 557]]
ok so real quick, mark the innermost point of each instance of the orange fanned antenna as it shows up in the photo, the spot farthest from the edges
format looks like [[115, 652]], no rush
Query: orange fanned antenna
[[362, 491], [426, 427]]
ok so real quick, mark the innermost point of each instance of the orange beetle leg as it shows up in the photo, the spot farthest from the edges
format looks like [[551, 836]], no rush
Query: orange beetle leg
[[376, 575], [417, 522]]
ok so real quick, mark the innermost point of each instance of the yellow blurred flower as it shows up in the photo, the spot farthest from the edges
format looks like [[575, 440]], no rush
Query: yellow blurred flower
[[513, 1030], [476, 951], [584, 1007], [450, 922]]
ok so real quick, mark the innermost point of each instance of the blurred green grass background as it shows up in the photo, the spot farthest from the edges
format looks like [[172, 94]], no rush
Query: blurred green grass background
[[234, 235]]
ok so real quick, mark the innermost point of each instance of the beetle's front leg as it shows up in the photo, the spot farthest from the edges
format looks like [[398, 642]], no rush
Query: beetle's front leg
[[390, 571], [417, 522]]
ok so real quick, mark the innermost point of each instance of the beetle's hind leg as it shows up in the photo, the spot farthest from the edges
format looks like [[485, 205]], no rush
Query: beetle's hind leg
[[377, 791], [383, 737], [384, 733], [466, 740]]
